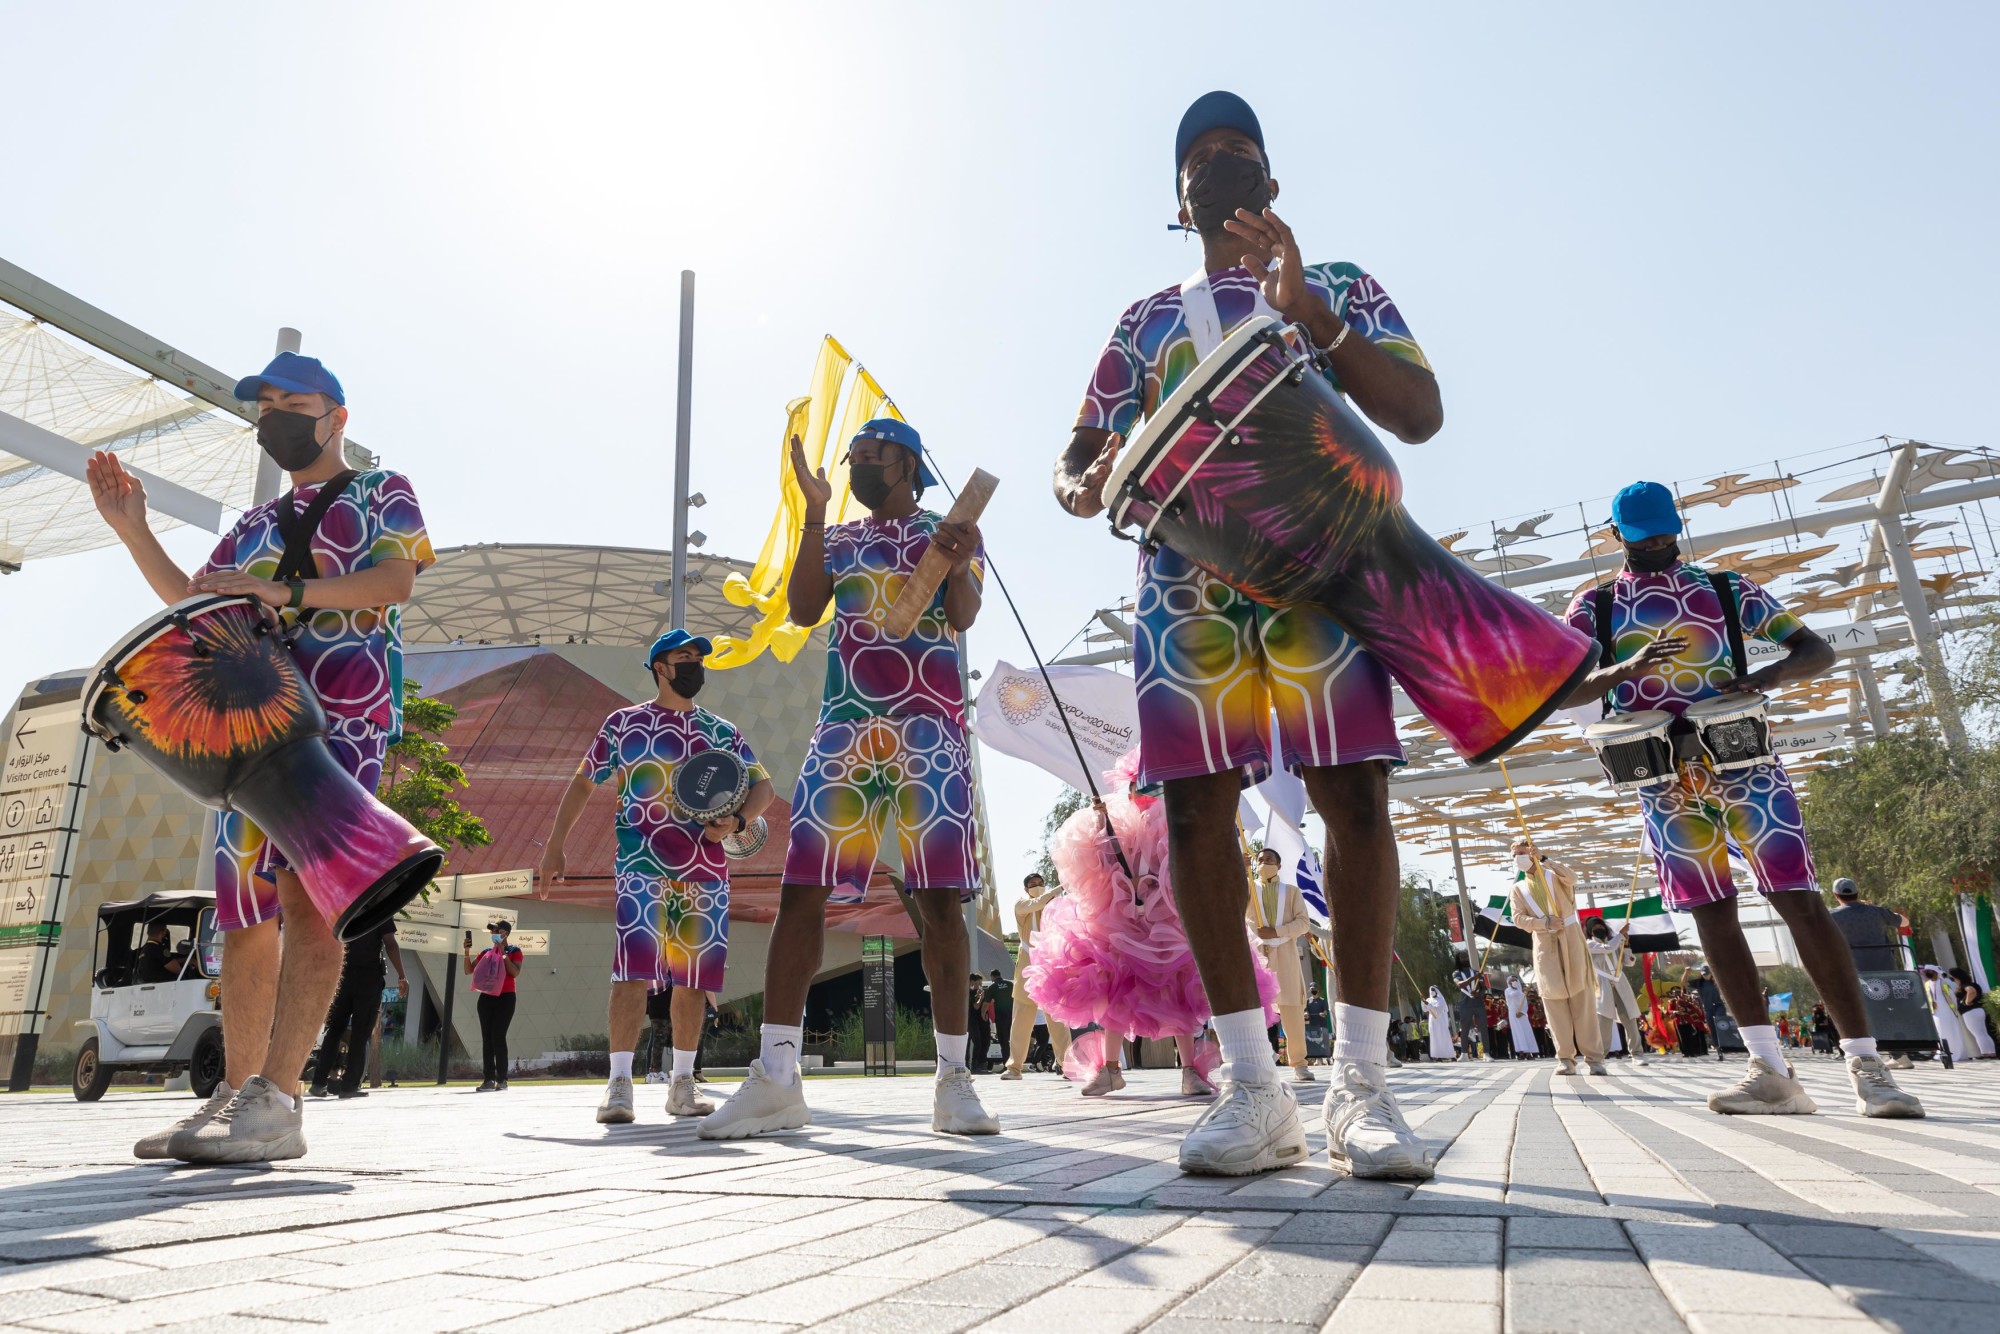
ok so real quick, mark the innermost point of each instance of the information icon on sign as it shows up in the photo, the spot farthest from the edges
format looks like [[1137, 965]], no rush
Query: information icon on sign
[[17, 811]]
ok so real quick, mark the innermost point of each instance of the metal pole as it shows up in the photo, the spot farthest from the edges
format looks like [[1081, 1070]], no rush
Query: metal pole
[[444, 1029], [1915, 605], [683, 421], [270, 478], [1471, 958]]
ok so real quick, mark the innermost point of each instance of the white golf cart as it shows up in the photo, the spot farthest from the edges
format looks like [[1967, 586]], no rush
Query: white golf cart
[[156, 1002]]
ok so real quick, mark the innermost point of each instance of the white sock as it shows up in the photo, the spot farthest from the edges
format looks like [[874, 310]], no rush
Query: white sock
[[781, 1051], [950, 1050], [1247, 1057], [286, 1100], [621, 1064], [683, 1063], [1360, 1036], [1762, 1040], [1858, 1047]]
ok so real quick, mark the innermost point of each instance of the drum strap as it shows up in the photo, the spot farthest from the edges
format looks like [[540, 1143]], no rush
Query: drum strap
[[298, 529], [1203, 321], [1732, 618]]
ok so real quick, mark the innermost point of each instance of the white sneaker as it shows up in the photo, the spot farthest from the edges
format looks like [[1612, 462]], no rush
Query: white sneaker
[[1366, 1135], [657, 1077], [1248, 1128], [1010, 1073], [252, 1127], [1565, 1067], [1764, 1091], [684, 1099], [955, 1106], [1876, 1094], [1900, 1061], [759, 1106], [155, 1144], [1640, 1060], [1193, 1085], [1597, 1068], [616, 1109], [1302, 1074]]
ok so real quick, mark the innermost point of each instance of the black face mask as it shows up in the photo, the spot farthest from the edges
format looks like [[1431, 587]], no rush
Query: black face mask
[[289, 438], [1223, 184], [686, 678], [870, 483], [1653, 562]]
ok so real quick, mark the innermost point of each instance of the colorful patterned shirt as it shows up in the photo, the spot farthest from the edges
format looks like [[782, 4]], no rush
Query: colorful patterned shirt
[[1151, 349], [353, 659], [1680, 601], [642, 745], [867, 674]]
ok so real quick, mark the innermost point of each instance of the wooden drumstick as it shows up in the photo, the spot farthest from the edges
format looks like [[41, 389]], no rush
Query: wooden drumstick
[[933, 565]]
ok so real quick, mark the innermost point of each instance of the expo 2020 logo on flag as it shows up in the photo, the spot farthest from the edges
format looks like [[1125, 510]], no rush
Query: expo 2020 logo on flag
[[1022, 698]]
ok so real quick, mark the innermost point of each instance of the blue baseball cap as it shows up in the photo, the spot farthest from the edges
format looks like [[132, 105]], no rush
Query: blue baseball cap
[[295, 375], [898, 433], [1214, 111], [677, 638], [1645, 509]]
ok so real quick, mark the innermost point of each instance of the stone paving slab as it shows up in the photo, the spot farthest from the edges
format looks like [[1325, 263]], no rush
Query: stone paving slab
[[1618, 1203]]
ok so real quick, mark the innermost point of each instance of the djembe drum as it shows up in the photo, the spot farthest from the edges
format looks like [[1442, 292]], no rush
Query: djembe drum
[[1255, 469], [208, 694]]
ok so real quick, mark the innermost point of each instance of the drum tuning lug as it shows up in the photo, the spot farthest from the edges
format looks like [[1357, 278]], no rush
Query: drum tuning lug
[[136, 696], [1236, 438]]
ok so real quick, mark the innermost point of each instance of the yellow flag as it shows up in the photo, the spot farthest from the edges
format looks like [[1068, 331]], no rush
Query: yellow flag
[[809, 418]]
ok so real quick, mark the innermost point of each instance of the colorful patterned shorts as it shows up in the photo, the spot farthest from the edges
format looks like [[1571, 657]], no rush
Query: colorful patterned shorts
[[1692, 825], [1213, 665], [247, 863], [671, 931], [864, 774]]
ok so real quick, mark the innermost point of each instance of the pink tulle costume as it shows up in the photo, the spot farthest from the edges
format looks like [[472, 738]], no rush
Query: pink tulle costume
[[1106, 956]]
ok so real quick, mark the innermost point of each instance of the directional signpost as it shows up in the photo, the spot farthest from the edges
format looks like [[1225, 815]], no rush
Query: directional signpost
[[41, 791]]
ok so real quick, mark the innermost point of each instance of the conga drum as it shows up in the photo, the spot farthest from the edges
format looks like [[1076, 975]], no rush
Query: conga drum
[[1255, 469], [207, 693]]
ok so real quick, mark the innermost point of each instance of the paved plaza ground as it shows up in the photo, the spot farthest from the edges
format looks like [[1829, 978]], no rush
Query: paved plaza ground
[[1618, 1204]]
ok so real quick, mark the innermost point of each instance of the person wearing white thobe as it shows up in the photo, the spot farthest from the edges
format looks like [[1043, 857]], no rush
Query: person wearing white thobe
[[1944, 1012], [1518, 1025], [1439, 1015], [1615, 1001]]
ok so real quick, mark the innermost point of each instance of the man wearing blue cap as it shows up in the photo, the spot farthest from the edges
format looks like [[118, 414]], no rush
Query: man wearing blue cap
[[672, 874], [889, 753], [359, 543], [1672, 636], [1213, 665]]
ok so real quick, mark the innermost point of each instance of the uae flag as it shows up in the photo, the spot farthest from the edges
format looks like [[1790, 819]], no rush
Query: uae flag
[[1651, 930]]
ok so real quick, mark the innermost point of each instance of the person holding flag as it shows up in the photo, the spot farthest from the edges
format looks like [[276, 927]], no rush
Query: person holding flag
[[1545, 907]]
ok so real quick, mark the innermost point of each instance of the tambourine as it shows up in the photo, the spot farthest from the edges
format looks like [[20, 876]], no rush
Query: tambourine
[[708, 786]]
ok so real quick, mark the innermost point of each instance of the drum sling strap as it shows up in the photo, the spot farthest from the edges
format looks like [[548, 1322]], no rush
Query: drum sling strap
[[298, 529], [1604, 595]]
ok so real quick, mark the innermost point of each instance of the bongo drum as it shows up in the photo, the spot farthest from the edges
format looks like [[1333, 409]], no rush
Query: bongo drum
[[1732, 730], [1635, 749], [746, 842], [1255, 469], [708, 785], [207, 693]]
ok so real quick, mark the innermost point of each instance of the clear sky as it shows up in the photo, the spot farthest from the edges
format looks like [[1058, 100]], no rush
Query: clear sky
[[1633, 240]]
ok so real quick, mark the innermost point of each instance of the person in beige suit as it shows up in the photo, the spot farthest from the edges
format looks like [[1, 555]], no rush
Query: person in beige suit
[[1545, 907], [1028, 918], [1278, 915]]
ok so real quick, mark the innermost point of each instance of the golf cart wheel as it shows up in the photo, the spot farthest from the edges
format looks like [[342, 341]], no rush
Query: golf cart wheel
[[205, 1066], [91, 1076]]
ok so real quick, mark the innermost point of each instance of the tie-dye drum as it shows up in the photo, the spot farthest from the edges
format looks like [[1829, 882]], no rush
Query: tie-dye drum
[[1256, 469], [207, 693]]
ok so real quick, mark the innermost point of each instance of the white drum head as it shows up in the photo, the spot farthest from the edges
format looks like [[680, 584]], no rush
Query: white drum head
[[1628, 727], [1151, 433], [1726, 708]]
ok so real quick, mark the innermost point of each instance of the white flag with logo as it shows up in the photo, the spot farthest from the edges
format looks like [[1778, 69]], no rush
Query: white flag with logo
[[1016, 715]]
